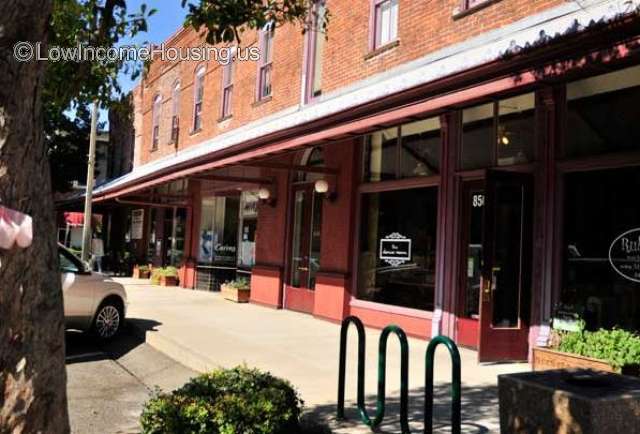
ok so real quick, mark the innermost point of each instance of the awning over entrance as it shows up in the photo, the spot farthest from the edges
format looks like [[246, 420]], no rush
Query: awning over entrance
[[478, 68]]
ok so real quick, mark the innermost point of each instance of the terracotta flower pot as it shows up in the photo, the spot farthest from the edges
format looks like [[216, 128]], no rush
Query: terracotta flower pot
[[141, 274]]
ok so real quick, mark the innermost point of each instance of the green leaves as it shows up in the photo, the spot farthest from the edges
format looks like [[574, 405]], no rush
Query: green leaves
[[226, 401], [617, 347]]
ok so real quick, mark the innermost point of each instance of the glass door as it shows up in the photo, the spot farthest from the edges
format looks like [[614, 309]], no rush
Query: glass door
[[506, 271], [471, 231], [305, 248]]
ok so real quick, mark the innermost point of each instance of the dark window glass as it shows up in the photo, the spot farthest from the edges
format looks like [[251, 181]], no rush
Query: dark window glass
[[219, 230], [474, 215], [416, 153], [420, 148], [398, 247], [381, 155], [600, 207], [478, 137], [516, 130], [603, 114]]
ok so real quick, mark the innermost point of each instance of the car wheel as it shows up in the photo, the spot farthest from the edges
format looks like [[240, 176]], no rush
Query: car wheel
[[108, 320]]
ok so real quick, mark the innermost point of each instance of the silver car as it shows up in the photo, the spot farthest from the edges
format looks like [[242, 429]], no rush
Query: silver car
[[92, 302]]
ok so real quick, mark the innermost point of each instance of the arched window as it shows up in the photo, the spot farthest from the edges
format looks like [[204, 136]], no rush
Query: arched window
[[156, 112], [313, 158], [198, 98], [175, 113]]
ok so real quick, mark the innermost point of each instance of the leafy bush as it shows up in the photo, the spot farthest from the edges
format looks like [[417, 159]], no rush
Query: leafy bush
[[143, 268], [240, 283], [617, 347], [226, 401], [157, 273]]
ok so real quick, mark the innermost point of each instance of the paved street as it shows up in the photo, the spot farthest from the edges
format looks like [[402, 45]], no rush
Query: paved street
[[107, 385]]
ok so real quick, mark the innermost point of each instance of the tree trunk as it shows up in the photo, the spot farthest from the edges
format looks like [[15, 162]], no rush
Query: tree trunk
[[32, 369]]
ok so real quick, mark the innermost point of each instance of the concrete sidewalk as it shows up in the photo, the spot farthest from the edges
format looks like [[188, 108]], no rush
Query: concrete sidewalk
[[202, 331]]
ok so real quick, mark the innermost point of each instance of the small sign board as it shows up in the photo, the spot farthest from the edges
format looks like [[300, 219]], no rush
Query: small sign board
[[624, 255], [395, 249], [137, 224]]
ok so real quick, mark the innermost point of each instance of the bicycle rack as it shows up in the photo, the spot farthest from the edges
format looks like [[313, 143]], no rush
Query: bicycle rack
[[404, 377]]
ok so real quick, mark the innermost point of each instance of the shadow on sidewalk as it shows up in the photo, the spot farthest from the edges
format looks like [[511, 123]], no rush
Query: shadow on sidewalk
[[85, 347], [478, 404]]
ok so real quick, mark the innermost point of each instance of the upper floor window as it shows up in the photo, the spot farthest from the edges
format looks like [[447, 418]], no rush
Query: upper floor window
[[265, 64], [315, 49], [227, 87], [198, 98], [175, 113], [155, 132], [470, 4], [385, 22]]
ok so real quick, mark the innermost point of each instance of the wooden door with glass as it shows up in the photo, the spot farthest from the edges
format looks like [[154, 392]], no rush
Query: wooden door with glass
[[506, 269], [304, 259]]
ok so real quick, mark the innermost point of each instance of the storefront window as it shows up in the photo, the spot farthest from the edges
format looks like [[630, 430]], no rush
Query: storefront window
[[249, 220], [219, 230], [408, 151], [602, 247], [603, 113], [397, 258], [477, 137], [420, 145], [380, 155], [499, 134]]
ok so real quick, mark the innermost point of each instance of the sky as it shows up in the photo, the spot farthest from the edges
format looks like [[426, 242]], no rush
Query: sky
[[168, 18]]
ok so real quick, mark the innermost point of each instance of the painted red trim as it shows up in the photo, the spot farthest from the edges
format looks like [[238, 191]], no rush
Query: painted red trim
[[389, 308]]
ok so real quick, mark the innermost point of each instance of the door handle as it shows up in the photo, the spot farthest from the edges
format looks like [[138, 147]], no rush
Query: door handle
[[303, 268]]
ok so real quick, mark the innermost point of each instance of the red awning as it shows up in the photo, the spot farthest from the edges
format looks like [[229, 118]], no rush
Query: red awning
[[15, 228], [74, 218]]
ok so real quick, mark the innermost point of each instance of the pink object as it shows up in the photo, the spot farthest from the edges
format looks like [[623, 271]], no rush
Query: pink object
[[15, 228]]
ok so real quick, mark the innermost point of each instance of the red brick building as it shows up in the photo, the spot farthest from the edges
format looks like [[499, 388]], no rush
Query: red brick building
[[457, 167]]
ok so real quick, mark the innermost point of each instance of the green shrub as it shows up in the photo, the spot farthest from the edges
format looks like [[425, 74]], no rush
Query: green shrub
[[226, 401], [157, 273], [143, 268], [240, 283], [617, 347]]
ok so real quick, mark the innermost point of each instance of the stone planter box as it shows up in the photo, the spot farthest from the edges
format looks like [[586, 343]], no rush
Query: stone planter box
[[235, 294], [545, 359], [141, 274], [569, 401]]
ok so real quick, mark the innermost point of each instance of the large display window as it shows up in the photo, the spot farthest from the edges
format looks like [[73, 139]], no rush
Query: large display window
[[398, 220], [218, 239], [397, 258]]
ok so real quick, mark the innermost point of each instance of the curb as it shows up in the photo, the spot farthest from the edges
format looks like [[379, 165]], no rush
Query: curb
[[173, 349]]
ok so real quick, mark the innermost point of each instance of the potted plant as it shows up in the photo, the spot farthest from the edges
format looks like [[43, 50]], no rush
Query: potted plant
[[238, 290], [141, 271], [167, 276], [612, 350]]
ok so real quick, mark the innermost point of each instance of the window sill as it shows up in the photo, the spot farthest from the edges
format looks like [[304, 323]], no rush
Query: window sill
[[261, 101], [460, 12], [154, 149], [195, 132], [225, 118], [383, 49]]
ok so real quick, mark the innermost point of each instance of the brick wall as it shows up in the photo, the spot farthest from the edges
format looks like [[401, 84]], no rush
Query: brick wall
[[424, 26]]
